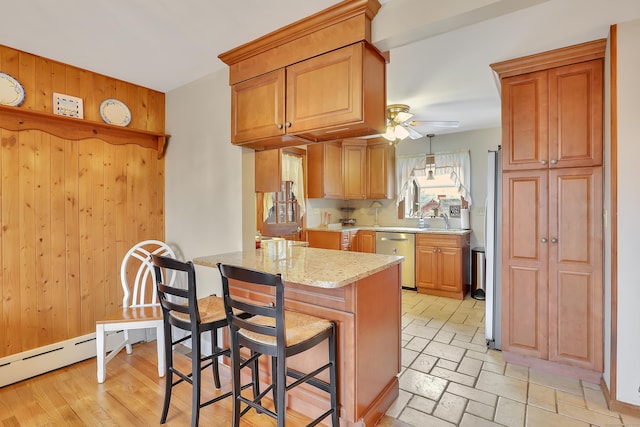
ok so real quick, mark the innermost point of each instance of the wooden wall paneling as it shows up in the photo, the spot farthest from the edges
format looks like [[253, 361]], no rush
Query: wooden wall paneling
[[112, 289], [69, 210], [43, 82], [86, 240], [72, 233], [11, 243], [11, 62], [27, 72], [98, 280], [58, 280], [42, 186], [3, 324], [28, 295]]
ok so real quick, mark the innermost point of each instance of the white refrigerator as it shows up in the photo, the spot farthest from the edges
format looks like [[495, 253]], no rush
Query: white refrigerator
[[493, 253]]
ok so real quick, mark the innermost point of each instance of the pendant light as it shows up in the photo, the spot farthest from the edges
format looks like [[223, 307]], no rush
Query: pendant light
[[431, 160]]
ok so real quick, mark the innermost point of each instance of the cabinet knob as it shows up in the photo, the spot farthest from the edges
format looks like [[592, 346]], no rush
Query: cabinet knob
[[288, 124], [554, 240], [435, 250], [544, 162], [279, 125], [553, 161], [543, 240]]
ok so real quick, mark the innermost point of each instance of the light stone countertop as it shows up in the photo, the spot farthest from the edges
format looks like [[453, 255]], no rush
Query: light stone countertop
[[324, 268], [398, 229]]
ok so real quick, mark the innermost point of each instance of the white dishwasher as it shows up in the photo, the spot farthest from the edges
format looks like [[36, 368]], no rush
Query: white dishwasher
[[404, 244]]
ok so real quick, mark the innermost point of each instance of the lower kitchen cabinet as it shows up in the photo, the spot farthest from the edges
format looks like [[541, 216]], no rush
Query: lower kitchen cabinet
[[366, 241], [338, 240], [346, 240], [441, 264]]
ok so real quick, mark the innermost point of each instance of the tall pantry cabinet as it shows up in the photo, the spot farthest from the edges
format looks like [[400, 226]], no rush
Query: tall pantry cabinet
[[552, 256]]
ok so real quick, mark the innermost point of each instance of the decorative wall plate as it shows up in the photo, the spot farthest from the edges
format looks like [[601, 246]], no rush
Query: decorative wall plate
[[115, 112], [11, 91]]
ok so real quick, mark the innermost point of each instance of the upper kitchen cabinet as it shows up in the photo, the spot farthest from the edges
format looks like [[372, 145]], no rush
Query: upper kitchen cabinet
[[316, 80], [381, 158], [552, 108], [324, 171]]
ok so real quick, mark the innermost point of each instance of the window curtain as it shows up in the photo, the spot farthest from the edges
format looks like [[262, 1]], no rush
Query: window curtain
[[291, 171], [456, 163], [405, 165]]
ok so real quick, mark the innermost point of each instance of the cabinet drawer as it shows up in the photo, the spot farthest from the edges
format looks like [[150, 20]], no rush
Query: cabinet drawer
[[439, 240]]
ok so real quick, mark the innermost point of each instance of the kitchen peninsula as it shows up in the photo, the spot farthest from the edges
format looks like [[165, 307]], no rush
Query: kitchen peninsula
[[362, 293]]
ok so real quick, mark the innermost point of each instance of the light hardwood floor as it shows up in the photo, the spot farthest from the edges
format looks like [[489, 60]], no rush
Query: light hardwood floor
[[132, 394]]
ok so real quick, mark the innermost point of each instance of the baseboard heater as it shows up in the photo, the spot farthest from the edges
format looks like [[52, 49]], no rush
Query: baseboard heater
[[28, 364]]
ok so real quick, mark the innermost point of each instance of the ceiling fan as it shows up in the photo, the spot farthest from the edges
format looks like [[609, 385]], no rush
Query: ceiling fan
[[400, 125]]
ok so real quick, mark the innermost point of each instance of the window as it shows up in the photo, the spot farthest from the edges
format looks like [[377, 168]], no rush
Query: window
[[432, 197], [446, 192]]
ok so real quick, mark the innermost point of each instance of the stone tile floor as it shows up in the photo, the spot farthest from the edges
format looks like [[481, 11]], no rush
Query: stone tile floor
[[450, 378]]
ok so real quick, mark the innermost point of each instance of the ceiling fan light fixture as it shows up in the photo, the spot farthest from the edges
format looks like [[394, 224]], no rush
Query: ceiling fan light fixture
[[400, 132], [389, 134]]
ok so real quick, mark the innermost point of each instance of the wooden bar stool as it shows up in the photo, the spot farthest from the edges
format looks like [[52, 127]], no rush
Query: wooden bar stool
[[278, 333], [181, 308]]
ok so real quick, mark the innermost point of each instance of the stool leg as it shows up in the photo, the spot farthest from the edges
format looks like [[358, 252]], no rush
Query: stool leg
[[195, 377], [333, 380], [168, 385], [214, 360], [235, 366], [281, 382]]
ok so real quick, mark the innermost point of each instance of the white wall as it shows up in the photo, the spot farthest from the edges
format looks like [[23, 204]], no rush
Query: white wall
[[628, 352], [204, 181]]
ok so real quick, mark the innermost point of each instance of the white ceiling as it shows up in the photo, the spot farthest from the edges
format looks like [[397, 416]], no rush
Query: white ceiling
[[440, 50]]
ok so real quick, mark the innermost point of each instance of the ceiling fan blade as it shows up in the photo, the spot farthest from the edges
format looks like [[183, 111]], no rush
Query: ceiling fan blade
[[437, 123], [414, 134], [402, 117]]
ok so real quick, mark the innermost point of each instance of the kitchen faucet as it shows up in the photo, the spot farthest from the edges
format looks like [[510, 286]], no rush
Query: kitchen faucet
[[446, 220]]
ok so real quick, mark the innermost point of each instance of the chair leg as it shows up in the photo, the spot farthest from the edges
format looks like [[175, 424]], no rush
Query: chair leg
[[235, 366], [100, 355], [255, 377], [126, 339], [281, 382], [274, 382], [168, 356], [196, 354], [333, 378], [162, 362], [214, 360]]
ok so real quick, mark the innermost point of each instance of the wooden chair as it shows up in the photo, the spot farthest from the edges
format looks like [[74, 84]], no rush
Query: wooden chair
[[140, 307], [182, 309], [279, 334]]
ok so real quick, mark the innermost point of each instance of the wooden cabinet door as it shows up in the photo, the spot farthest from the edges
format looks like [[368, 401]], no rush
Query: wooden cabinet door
[[426, 267], [257, 107], [575, 115], [525, 136], [380, 171], [324, 239], [575, 267], [268, 172], [324, 171], [354, 164], [449, 269], [525, 263], [325, 90], [367, 241]]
